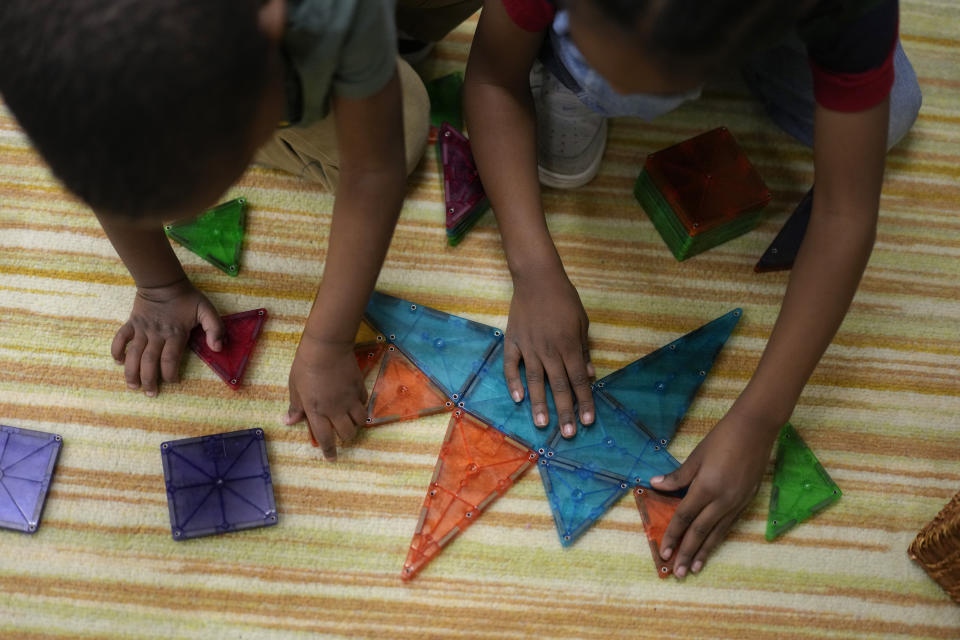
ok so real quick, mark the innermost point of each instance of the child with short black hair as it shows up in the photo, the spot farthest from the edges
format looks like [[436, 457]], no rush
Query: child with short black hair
[[830, 72]]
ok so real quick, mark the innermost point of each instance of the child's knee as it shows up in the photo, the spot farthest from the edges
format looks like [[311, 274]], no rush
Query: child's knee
[[416, 114], [905, 98]]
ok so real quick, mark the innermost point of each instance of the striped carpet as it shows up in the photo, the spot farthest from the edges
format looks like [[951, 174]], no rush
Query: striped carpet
[[880, 412]]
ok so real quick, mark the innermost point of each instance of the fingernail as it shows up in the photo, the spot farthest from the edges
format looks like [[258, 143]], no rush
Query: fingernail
[[657, 479], [568, 430], [541, 420], [680, 571], [665, 554], [131, 385], [696, 566], [517, 397], [587, 417], [150, 394]]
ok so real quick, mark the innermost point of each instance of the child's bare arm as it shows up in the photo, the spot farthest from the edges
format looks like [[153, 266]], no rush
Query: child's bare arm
[[166, 307], [547, 327], [725, 469], [325, 383]]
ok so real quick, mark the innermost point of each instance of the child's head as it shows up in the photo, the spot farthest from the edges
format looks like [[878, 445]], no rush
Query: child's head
[[670, 46], [143, 108]]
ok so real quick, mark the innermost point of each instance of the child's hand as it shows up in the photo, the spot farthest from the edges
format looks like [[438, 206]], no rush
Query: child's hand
[[153, 339], [547, 330], [723, 473], [327, 389]]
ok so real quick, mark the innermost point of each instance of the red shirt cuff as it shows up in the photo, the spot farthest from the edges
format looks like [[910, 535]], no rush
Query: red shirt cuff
[[852, 92]]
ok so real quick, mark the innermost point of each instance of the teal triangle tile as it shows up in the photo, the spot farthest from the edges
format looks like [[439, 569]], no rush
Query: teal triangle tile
[[447, 348], [656, 390], [615, 446], [488, 398], [577, 497]]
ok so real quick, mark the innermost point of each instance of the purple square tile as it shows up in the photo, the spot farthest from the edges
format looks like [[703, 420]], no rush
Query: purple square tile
[[218, 483], [27, 459]]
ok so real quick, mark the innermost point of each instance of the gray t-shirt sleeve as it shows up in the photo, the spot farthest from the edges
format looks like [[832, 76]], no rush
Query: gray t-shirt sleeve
[[369, 53]]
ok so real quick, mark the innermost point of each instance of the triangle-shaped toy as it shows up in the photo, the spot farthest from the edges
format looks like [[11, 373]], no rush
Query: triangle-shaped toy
[[656, 510], [781, 253], [615, 446], [240, 335], [488, 398], [368, 356], [463, 195], [656, 391], [447, 348], [577, 496], [216, 235], [476, 465], [402, 392], [801, 486]]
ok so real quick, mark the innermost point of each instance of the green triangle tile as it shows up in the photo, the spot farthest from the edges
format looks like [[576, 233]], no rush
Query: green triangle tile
[[801, 486], [216, 235]]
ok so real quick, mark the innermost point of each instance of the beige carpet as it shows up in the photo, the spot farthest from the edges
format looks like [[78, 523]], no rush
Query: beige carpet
[[881, 412]]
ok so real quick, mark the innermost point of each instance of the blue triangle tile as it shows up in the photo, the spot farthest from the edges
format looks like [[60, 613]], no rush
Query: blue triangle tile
[[578, 497], [615, 446], [447, 348], [488, 398], [656, 391]]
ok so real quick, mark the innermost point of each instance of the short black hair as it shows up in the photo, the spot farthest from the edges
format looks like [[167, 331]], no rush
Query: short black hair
[[704, 34], [131, 101]]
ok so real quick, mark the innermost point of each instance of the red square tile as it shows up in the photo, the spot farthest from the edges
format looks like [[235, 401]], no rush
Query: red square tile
[[707, 180]]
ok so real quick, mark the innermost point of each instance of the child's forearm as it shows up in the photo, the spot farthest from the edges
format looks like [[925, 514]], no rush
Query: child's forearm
[[822, 285], [364, 215], [145, 251]]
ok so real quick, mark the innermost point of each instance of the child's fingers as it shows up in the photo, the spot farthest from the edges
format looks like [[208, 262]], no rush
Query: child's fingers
[[345, 428], [120, 340], [585, 348], [170, 357], [701, 527], [212, 325], [716, 537], [538, 394], [150, 366], [323, 434], [562, 396], [131, 364], [687, 512], [580, 382], [511, 369], [358, 413]]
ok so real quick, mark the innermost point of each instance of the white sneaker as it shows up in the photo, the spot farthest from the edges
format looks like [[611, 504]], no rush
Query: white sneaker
[[571, 138]]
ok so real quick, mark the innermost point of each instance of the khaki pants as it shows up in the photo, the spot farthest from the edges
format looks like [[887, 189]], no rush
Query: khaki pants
[[311, 152]]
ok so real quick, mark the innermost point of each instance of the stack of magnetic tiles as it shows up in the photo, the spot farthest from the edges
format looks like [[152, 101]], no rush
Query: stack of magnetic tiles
[[701, 193]]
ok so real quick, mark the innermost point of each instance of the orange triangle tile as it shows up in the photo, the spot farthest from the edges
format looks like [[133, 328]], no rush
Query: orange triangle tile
[[477, 464], [366, 334], [403, 392], [656, 510], [368, 355]]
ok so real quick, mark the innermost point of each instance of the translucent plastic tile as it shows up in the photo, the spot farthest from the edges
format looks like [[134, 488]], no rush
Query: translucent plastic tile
[[219, 483], [27, 459], [656, 511], [216, 235], [242, 330], [448, 348], [402, 392], [801, 486], [446, 102], [368, 356], [707, 180], [367, 334], [463, 194], [476, 465], [578, 497], [488, 397], [656, 391], [781, 253], [615, 446]]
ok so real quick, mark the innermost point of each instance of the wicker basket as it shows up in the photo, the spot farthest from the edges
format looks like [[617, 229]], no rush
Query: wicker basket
[[937, 548]]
